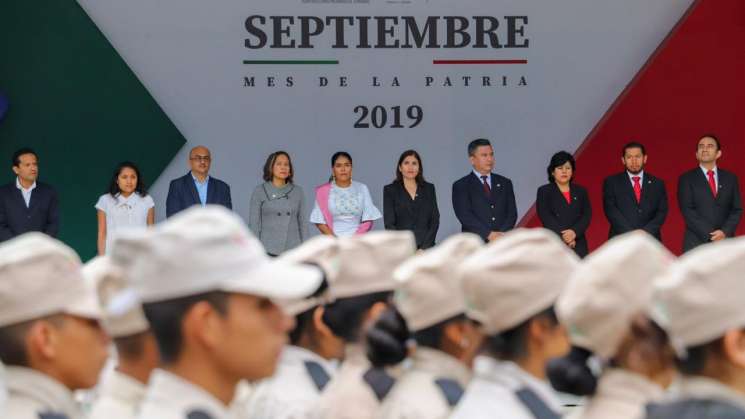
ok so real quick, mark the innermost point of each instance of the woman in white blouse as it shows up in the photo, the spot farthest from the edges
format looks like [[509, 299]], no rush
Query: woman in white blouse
[[343, 207], [126, 205]]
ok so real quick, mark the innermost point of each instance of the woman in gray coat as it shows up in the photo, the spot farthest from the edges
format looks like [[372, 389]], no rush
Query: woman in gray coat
[[278, 212]]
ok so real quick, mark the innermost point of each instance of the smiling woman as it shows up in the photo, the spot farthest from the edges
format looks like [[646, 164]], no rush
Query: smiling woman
[[126, 205]]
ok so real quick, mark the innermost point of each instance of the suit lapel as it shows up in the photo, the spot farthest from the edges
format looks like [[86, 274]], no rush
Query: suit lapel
[[722, 183], [18, 196], [496, 187], [192, 188]]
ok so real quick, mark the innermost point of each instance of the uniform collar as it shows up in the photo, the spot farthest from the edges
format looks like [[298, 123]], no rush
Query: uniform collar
[[509, 375], [294, 354], [441, 365], [123, 387], [628, 387], [166, 388], [48, 392], [707, 388]]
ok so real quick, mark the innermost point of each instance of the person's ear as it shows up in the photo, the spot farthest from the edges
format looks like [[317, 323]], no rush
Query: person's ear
[[15, 170], [41, 341], [318, 323], [203, 325], [733, 346], [644, 159], [719, 153]]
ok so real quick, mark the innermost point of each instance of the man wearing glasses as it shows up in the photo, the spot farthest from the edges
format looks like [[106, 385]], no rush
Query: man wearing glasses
[[709, 198], [197, 187]]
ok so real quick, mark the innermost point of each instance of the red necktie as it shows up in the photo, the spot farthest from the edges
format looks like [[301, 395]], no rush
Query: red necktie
[[637, 188], [712, 183], [487, 189]]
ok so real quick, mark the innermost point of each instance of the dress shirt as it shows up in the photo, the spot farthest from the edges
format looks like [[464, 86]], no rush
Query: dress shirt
[[641, 178], [716, 175], [479, 175], [25, 192], [201, 188]]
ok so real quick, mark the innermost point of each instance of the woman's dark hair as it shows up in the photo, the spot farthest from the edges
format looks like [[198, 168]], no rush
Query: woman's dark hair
[[304, 320], [269, 166], [114, 187], [337, 156], [345, 316], [571, 373], [404, 155], [386, 339], [511, 345], [557, 160]]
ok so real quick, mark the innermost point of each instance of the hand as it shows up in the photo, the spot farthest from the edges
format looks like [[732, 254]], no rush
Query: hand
[[717, 235], [494, 235], [568, 236], [573, 244]]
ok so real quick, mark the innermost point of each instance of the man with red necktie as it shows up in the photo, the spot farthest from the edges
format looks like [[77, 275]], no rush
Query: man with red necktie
[[709, 197], [634, 199]]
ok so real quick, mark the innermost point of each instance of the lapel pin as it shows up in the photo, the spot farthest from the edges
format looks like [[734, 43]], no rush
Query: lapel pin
[[498, 185]]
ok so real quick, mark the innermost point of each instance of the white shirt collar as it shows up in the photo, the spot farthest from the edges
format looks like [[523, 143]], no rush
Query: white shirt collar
[[19, 186], [206, 178], [706, 171], [479, 175], [640, 174]]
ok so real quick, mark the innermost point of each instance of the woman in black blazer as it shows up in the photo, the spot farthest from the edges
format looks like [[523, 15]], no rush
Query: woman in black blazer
[[563, 206], [410, 203]]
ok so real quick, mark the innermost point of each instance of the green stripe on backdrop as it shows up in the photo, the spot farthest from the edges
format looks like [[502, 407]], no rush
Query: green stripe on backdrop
[[74, 100]]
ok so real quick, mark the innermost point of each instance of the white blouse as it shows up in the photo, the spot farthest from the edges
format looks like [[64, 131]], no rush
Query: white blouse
[[124, 213], [349, 207]]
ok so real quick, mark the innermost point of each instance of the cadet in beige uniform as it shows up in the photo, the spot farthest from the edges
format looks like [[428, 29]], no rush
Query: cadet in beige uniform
[[703, 299], [360, 294], [123, 388], [307, 363], [431, 303], [510, 288], [50, 340], [606, 308], [207, 286]]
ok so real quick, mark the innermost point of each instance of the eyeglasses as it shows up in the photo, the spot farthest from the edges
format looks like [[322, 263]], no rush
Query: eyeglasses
[[201, 158]]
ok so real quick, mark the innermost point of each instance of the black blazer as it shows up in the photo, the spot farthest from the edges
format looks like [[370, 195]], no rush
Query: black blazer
[[702, 212], [623, 212], [419, 215], [42, 213], [182, 193], [480, 214], [557, 215]]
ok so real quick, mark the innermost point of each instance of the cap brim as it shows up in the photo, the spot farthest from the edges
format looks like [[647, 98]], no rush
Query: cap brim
[[85, 305], [278, 280]]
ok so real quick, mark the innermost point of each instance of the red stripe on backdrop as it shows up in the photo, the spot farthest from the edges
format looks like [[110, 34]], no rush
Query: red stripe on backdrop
[[692, 85]]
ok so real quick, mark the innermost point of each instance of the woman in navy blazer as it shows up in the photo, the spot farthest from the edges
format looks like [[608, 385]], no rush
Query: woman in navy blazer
[[410, 203], [564, 206]]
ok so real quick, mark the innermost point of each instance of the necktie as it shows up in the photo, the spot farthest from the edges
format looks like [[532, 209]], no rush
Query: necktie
[[712, 183], [637, 188], [487, 189]]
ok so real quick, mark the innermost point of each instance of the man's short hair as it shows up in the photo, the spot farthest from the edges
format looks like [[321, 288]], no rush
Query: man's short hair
[[16, 159], [713, 137], [13, 340], [473, 145], [633, 144], [166, 320]]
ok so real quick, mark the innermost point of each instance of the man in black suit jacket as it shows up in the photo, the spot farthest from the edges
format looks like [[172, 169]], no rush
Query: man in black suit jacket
[[484, 202], [197, 187], [634, 199], [25, 204], [709, 198]]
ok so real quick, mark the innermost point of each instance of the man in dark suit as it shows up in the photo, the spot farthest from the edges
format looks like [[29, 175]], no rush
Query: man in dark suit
[[484, 202], [709, 198], [634, 199], [25, 204], [197, 187]]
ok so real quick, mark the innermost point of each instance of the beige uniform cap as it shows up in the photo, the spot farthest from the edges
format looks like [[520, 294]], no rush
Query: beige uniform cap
[[41, 276], [121, 317], [702, 296], [515, 277], [430, 292], [610, 287], [367, 262], [204, 249]]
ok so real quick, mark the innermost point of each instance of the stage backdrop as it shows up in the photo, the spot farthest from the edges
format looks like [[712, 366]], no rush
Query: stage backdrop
[[376, 77]]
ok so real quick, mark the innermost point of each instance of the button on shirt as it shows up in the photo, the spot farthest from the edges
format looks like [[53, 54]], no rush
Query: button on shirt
[[120, 397], [169, 396], [25, 192], [201, 188], [416, 395], [620, 395], [290, 393], [31, 393], [492, 392]]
